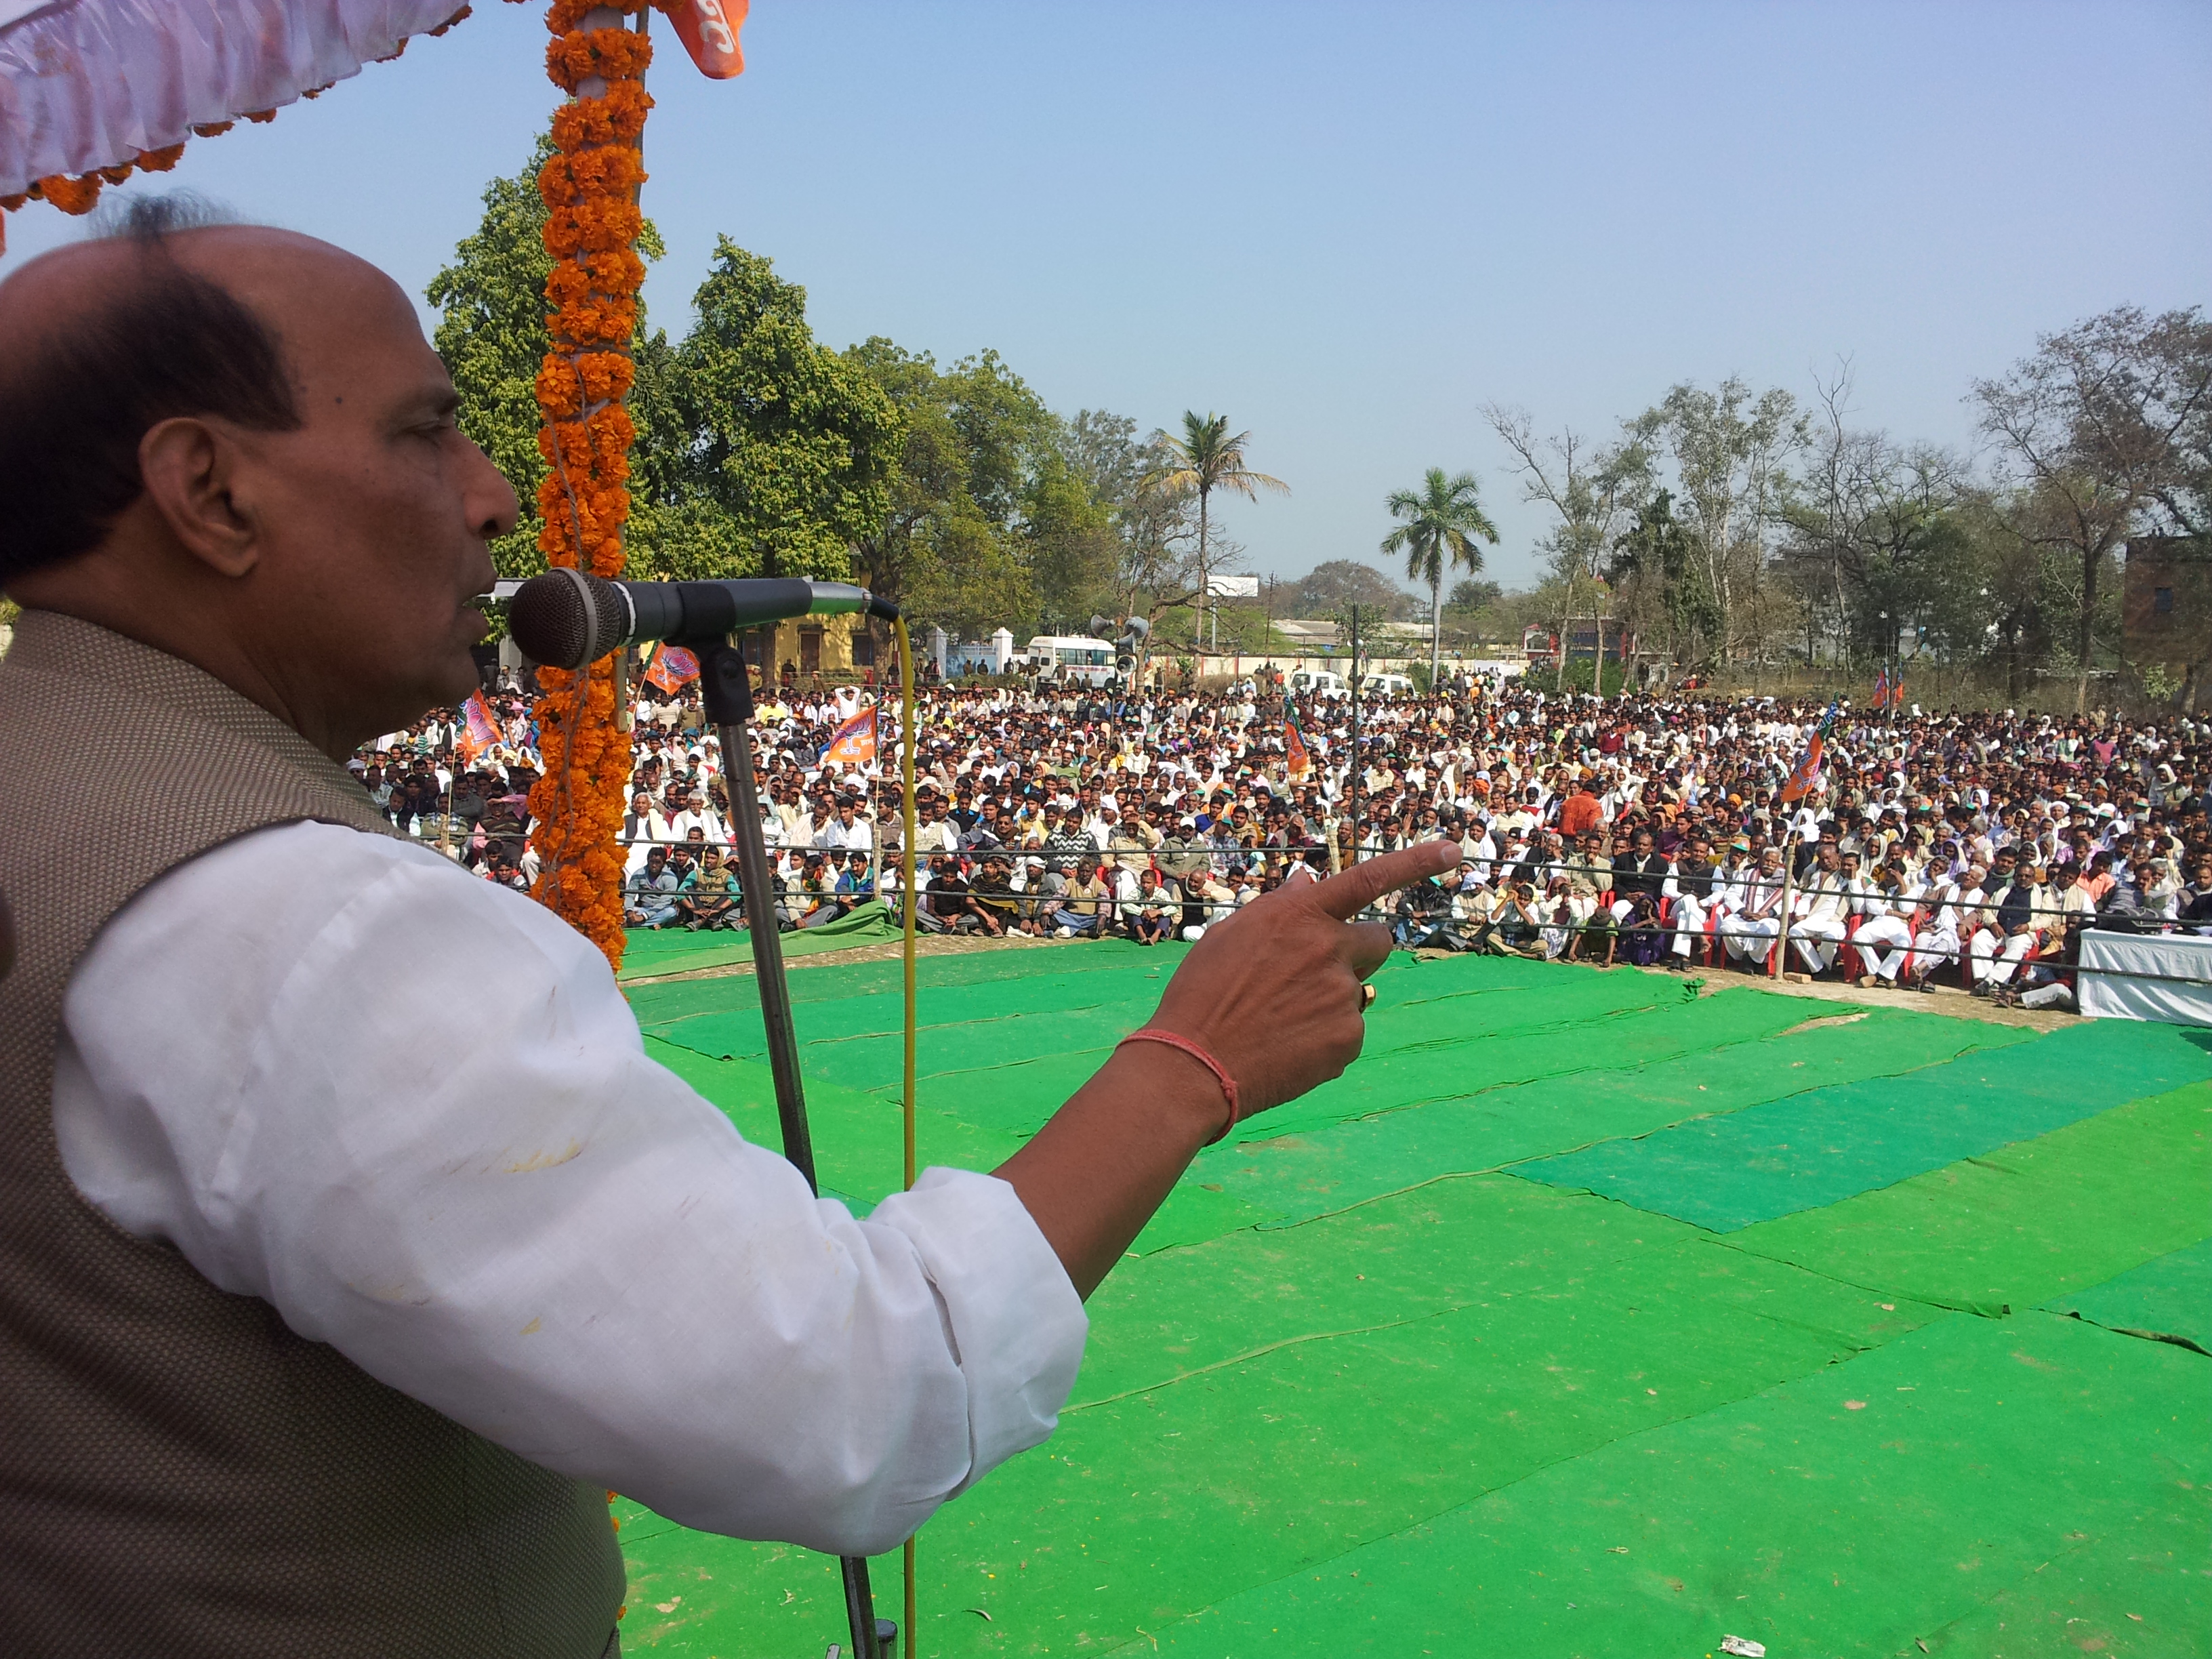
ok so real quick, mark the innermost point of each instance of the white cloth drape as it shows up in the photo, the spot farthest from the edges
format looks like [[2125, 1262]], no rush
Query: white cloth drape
[[89, 83], [2160, 976]]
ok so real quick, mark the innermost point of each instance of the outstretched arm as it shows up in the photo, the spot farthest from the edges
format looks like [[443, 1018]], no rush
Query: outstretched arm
[[1272, 993]]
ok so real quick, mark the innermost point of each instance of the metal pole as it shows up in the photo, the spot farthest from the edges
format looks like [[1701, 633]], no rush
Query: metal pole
[[758, 878], [446, 822], [1782, 939], [725, 685], [1356, 762]]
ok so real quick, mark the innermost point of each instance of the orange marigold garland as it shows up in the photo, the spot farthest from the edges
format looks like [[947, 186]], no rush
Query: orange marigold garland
[[590, 186]]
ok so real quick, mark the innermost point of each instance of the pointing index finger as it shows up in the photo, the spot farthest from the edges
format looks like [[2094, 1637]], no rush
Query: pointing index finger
[[1345, 895]]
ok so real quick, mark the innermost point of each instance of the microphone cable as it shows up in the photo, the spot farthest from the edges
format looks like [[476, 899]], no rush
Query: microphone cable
[[907, 737]]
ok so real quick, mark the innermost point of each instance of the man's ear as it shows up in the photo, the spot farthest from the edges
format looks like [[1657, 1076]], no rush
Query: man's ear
[[190, 467]]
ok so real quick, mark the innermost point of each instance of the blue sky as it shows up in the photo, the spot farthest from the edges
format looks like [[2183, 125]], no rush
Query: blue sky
[[1349, 226]]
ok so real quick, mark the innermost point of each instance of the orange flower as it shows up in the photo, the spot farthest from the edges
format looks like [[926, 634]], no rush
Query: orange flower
[[560, 393], [609, 170], [610, 54], [70, 195], [564, 15], [161, 159], [595, 321], [607, 375], [616, 119]]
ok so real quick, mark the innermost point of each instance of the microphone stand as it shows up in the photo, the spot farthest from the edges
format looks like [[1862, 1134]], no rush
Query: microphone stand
[[725, 685]]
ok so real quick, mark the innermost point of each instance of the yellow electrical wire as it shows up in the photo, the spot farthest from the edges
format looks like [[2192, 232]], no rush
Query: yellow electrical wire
[[906, 736]]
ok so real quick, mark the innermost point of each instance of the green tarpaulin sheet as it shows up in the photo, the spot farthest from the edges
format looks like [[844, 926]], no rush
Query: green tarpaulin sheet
[[648, 951], [1359, 1391], [2168, 1298], [1850, 1512], [1811, 1150], [1260, 1396], [1297, 1177], [2012, 1227]]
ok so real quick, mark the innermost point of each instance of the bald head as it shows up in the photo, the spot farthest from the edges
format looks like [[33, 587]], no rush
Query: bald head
[[98, 342], [239, 449]]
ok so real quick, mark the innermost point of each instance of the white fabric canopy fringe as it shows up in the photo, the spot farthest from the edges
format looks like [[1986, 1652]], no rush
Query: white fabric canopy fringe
[[89, 83]]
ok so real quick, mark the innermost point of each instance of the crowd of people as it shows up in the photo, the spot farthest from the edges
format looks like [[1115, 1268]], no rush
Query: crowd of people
[[1931, 847]]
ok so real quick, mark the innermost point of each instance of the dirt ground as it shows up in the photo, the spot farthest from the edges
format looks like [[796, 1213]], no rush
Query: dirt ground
[[1944, 1001]]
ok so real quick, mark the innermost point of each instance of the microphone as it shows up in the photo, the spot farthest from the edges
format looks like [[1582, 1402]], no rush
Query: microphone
[[565, 618]]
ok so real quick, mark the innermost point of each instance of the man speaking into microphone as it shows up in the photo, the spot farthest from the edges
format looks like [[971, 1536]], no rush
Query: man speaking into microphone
[[350, 1244]]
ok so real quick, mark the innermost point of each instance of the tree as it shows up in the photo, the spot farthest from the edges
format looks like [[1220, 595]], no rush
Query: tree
[[796, 446], [758, 450], [1590, 488], [1204, 459], [1469, 594], [990, 521], [1338, 584], [491, 335], [1104, 450], [1438, 525], [1730, 453], [1154, 525], [1997, 596], [1073, 552], [1652, 570], [2103, 425], [1476, 611], [932, 470], [1870, 531]]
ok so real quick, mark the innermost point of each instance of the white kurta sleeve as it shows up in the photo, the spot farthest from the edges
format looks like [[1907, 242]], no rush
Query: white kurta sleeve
[[410, 1110]]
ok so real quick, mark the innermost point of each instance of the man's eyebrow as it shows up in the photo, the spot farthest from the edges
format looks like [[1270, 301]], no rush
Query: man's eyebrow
[[441, 401]]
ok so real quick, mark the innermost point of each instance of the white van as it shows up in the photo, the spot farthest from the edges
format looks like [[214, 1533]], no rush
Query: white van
[[1071, 658], [1386, 686], [1318, 683]]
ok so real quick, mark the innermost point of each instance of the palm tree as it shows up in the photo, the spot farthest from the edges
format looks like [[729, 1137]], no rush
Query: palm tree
[[1439, 527], [1206, 459]]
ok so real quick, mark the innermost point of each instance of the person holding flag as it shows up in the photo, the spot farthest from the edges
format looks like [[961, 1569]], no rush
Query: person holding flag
[[1806, 772], [853, 742], [1297, 761], [477, 731]]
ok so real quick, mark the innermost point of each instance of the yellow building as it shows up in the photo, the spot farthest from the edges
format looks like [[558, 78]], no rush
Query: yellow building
[[839, 647]]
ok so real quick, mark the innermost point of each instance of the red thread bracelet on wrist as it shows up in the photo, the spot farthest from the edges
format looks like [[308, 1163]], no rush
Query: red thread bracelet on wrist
[[1153, 1034]]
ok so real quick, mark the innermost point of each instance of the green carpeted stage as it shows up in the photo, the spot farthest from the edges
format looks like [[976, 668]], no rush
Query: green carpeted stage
[[1586, 1314]]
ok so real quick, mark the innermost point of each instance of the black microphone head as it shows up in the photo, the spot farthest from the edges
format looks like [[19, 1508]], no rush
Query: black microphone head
[[565, 618]]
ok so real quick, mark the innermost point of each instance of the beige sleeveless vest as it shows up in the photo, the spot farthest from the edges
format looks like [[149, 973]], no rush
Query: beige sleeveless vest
[[180, 1476]]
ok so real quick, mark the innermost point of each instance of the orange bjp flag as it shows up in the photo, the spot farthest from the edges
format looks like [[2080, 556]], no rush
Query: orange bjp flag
[[854, 744], [1804, 775], [478, 731], [673, 667], [708, 29]]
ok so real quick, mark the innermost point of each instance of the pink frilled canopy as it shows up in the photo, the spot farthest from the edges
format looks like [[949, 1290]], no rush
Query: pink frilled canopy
[[92, 86]]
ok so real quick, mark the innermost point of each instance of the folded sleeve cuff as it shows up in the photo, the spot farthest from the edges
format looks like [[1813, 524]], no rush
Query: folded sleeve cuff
[[1015, 1323]]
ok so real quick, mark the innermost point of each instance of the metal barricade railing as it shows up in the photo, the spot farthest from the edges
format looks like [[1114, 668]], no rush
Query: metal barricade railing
[[1217, 860]]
